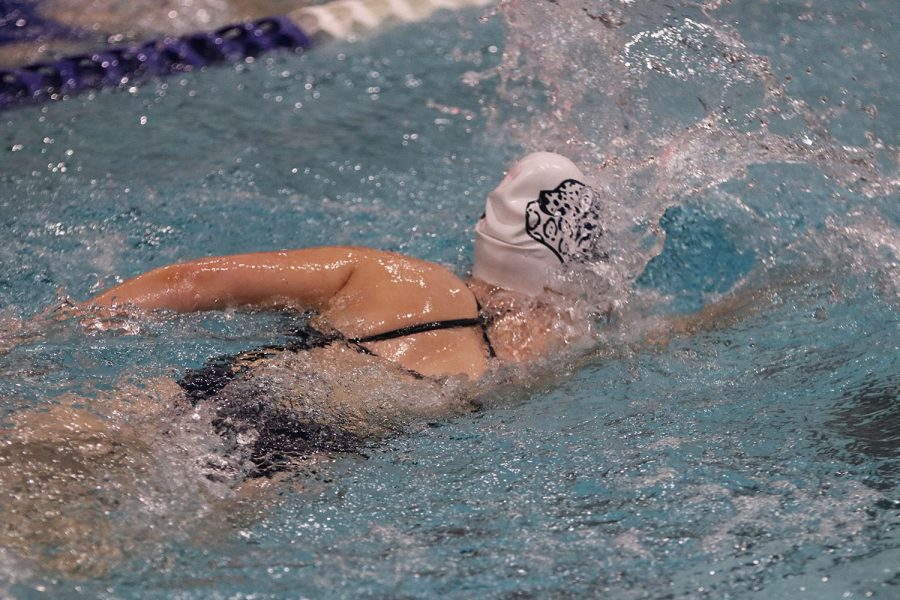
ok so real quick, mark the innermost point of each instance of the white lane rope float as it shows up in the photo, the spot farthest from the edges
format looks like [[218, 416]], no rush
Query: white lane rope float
[[346, 19]]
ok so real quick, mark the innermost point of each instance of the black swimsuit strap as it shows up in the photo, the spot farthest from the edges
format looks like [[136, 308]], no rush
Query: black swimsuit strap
[[420, 328], [485, 321], [478, 321]]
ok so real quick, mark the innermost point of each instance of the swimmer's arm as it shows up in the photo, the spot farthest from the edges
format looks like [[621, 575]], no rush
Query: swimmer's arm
[[306, 278], [724, 312], [739, 304]]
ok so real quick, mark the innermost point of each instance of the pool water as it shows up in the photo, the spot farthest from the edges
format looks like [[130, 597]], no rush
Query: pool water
[[760, 458]]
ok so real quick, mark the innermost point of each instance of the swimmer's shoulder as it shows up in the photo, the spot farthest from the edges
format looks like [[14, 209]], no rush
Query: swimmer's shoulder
[[362, 256], [404, 267], [364, 267], [359, 272], [422, 287], [369, 259]]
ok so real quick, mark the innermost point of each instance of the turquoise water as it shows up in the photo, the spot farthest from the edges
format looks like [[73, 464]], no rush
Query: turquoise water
[[759, 459]]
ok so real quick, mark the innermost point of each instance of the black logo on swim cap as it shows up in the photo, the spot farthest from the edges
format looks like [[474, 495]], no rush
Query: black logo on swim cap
[[566, 220]]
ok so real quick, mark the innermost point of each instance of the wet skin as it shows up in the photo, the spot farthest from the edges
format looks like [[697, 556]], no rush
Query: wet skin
[[359, 292]]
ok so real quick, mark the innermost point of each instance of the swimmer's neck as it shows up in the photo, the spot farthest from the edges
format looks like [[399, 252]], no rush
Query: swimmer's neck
[[521, 328]]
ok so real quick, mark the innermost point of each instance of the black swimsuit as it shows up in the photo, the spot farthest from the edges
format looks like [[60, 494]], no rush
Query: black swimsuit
[[279, 434], [216, 373]]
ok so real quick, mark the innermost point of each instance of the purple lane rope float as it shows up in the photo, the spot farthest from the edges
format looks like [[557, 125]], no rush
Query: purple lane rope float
[[117, 66], [297, 32], [20, 21]]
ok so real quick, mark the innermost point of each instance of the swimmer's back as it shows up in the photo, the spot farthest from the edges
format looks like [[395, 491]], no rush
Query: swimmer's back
[[389, 292]]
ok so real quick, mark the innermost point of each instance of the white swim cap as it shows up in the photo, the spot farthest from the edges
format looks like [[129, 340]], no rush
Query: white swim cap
[[540, 217]]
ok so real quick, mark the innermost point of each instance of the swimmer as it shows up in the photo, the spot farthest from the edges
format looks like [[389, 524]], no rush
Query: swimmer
[[385, 316], [396, 340]]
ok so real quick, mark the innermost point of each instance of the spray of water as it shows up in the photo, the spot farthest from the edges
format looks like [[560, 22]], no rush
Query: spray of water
[[665, 103]]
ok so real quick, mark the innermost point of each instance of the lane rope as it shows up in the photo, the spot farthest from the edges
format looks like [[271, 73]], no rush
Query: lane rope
[[298, 31]]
